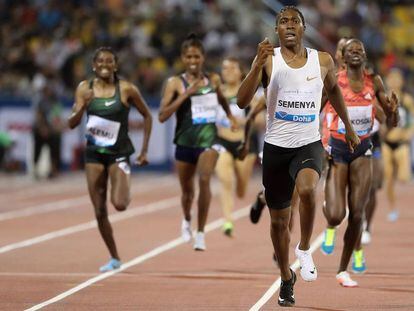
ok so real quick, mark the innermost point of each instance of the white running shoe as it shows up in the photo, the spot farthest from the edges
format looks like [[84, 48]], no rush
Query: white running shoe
[[199, 242], [186, 233], [345, 280], [308, 270], [366, 237]]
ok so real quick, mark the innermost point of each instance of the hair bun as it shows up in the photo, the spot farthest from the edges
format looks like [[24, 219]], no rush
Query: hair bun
[[192, 36]]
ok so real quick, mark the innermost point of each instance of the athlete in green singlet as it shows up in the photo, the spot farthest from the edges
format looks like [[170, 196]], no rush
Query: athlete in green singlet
[[106, 100], [194, 97]]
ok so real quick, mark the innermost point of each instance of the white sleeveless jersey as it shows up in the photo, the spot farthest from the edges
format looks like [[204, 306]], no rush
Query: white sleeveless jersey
[[375, 127], [294, 102]]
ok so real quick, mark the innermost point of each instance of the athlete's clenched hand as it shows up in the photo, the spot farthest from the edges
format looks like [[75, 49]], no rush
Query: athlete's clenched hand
[[264, 49], [194, 87], [352, 140], [142, 159], [88, 96]]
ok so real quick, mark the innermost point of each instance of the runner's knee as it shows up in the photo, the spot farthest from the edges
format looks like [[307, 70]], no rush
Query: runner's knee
[[306, 193], [120, 200], [204, 178], [335, 219], [120, 205], [280, 224]]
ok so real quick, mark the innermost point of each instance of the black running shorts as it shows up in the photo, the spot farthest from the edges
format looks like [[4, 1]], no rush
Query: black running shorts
[[281, 166], [92, 156], [232, 146]]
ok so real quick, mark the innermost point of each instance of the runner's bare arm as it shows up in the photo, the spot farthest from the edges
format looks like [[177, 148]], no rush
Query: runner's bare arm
[[259, 107], [388, 104], [324, 99], [252, 81], [409, 104], [83, 96], [216, 81], [169, 105], [380, 114], [335, 97], [134, 96]]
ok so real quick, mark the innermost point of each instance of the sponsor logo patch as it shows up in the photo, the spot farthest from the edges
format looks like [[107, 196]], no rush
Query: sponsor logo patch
[[281, 115]]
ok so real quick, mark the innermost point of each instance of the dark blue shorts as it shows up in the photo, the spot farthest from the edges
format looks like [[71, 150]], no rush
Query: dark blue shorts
[[376, 145], [188, 154], [340, 152]]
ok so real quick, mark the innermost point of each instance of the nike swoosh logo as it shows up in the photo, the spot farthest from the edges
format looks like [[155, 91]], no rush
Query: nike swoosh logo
[[107, 104], [205, 91], [283, 300], [310, 79], [307, 160]]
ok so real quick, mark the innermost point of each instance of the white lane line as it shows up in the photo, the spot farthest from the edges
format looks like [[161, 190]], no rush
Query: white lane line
[[132, 212], [136, 261], [275, 286], [62, 185], [44, 208], [73, 202], [139, 210]]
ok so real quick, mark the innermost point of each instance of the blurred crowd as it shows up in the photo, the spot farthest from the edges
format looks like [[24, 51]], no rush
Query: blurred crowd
[[385, 27], [52, 40], [47, 45]]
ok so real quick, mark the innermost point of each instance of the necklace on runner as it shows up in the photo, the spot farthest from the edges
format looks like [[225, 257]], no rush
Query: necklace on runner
[[294, 57]]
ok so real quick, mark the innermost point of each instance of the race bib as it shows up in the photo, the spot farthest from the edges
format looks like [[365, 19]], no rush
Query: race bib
[[296, 107], [361, 119], [204, 108], [222, 119], [403, 117], [102, 132]]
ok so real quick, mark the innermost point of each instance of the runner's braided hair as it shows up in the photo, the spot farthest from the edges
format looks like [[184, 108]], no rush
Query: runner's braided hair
[[192, 40], [290, 7]]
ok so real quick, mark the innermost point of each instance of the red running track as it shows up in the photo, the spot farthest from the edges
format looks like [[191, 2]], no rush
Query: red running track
[[58, 255]]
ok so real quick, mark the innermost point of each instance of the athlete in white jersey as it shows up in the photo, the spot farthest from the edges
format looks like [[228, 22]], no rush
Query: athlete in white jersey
[[294, 77], [294, 100]]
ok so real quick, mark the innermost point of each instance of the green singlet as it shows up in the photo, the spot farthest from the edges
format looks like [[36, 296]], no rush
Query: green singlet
[[107, 125], [196, 118]]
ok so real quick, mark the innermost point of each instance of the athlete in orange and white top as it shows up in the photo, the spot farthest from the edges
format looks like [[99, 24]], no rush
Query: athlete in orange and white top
[[350, 172]]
